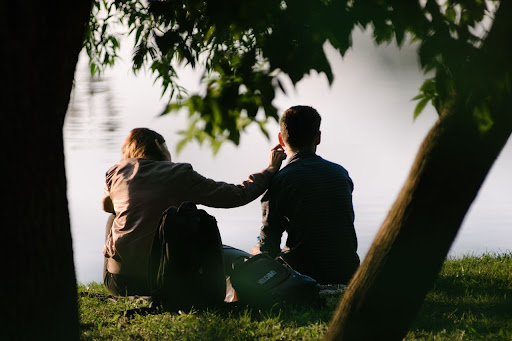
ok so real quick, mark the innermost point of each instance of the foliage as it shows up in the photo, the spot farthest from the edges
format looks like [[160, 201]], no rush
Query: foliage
[[246, 47], [471, 300]]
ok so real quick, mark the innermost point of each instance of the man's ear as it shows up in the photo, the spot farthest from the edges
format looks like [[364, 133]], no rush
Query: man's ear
[[318, 138], [280, 138]]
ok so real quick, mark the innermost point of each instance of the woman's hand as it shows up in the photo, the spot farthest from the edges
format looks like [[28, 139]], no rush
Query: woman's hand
[[277, 155]]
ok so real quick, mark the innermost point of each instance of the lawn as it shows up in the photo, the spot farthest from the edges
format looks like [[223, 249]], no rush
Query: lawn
[[471, 300]]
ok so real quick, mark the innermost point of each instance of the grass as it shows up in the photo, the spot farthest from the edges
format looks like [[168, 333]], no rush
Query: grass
[[471, 300]]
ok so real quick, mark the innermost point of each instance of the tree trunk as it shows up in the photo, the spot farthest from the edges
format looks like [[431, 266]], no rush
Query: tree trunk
[[408, 251], [387, 291], [42, 41]]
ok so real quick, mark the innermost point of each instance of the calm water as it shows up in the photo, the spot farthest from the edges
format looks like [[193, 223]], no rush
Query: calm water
[[367, 127]]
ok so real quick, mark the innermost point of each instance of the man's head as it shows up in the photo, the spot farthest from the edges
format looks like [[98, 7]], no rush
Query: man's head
[[300, 128], [146, 144]]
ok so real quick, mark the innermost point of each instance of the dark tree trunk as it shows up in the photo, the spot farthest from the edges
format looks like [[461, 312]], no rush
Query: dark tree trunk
[[387, 291], [407, 253], [41, 42]]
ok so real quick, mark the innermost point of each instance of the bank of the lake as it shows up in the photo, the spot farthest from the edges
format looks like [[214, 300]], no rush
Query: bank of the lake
[[471, 300]]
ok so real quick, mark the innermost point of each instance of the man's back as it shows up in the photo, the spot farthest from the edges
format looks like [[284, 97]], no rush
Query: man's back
[[311, 199]]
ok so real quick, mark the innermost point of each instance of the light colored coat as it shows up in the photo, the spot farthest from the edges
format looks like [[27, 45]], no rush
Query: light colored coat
[[142, 189]]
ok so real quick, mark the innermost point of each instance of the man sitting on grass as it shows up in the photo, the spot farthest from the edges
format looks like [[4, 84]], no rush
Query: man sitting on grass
[[310, 199]]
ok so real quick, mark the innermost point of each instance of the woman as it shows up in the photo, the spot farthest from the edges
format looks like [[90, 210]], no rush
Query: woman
[[145, 183]]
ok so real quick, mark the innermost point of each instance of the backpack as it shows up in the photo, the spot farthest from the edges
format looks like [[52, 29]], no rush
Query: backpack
[[263, 281], [186, 264]]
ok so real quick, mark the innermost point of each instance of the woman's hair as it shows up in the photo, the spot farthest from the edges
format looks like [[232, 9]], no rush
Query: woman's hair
[[299, 126], [140, 143]]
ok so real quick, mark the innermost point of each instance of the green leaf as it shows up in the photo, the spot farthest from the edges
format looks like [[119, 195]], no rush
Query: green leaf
[[93, 68], [382, 34], [263, 129], [281, 86], [399, 36], [138, 34], [419, 107], [167, 41], [482, 115], [450, 14], [419, 96], [181, 144]]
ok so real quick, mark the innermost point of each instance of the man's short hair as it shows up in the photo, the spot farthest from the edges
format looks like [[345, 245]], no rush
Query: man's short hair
[[299, 126]]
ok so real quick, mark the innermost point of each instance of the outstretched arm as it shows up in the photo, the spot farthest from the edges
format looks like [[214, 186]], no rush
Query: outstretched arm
[[211, 193]]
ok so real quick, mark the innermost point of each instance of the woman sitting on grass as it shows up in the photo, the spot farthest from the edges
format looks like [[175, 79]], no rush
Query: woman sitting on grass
[[141, 186]]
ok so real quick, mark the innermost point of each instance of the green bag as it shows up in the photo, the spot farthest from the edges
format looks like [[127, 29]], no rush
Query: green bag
[[263, 281]]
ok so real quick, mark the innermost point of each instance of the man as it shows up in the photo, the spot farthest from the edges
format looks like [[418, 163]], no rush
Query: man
[[310, 199]]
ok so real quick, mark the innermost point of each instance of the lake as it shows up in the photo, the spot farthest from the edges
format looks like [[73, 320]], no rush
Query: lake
[[367, 127]]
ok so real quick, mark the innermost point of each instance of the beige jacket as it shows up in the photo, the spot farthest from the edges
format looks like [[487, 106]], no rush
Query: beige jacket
[[142, 189]]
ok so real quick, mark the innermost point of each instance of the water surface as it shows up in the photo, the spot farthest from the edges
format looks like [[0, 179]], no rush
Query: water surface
[[367, 127]]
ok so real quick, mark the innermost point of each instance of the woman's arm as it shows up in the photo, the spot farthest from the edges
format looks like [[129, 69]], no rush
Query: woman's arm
[[108, 206], [211, 193]]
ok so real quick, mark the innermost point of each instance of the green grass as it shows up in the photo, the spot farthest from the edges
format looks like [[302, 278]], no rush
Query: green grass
[[471, 300]]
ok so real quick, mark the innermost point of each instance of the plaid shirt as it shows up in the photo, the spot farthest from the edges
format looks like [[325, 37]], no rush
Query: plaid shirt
[[311, 199]]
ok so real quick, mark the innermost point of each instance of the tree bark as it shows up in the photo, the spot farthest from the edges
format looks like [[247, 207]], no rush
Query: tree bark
[[42, 41], [387, 291]]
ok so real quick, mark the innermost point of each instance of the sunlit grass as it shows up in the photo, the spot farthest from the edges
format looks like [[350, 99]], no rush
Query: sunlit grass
[[471, 300]]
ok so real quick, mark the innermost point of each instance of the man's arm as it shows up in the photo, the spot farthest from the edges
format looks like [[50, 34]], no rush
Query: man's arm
[[274, 224]]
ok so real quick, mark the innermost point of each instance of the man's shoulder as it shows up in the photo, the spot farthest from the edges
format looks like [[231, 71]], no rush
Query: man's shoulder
[[334, 166], [312, 164]]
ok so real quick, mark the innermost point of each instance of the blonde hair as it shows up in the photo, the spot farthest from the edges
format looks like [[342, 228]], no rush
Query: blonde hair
[[140, 143]]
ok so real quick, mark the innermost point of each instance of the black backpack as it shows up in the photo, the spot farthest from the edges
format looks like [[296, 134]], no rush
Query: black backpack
[[186, 265], [263, 281]]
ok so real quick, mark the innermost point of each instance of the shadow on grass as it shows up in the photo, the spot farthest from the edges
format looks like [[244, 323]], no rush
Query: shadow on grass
[[301, 315]]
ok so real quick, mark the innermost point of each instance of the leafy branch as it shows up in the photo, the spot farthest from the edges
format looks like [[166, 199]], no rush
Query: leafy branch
[[244, 47]]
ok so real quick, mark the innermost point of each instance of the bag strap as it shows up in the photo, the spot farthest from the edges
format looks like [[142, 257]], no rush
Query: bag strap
[[281, 260], [238, 261]]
